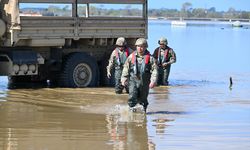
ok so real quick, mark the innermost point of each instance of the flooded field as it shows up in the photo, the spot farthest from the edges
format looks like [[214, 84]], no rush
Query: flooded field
[[198, 111], [193, 115]]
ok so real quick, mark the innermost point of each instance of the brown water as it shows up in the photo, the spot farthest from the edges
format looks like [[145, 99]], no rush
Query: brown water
[[197, 112], [191, 115]]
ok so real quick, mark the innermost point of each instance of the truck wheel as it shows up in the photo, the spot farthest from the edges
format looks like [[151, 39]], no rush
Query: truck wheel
[[79, 70]]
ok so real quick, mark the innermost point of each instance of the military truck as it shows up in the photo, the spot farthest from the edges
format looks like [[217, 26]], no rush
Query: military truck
[[71, 50]]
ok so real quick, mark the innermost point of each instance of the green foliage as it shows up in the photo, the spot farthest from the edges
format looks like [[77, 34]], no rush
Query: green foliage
[[189, 12], [186, 11]]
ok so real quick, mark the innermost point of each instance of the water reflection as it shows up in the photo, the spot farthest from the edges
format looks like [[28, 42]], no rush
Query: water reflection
[[62, 118], [96, 118], [25, 126], [197, 111], [130, 133], [161, 124], [95, 100], [158, 132]]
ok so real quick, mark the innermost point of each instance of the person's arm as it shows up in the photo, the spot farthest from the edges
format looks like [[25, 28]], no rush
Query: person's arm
[[111, 64], [172, 57], [155, 54], [154, 73]]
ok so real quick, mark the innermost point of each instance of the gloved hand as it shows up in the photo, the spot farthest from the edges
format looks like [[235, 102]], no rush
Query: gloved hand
[[108, 74], [165, 64], [151, 85]]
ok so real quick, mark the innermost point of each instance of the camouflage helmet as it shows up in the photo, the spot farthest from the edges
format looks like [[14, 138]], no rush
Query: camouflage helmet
[[121, 41], [141, 41], [163, 40]]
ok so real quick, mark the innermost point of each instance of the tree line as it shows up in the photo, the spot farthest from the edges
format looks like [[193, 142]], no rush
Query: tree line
[[186, 11]]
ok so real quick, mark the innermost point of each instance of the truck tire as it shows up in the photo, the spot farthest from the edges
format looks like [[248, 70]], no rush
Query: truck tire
[[79, 70]]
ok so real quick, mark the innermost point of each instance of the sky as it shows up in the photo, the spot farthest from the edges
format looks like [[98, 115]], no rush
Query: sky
[[220, 5]]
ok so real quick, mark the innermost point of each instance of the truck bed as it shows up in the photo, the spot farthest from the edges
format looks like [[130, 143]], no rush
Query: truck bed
[[78, 28]]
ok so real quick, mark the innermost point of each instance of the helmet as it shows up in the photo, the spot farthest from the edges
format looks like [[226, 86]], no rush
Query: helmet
[[141, 41], [121, 41], [163, 41]]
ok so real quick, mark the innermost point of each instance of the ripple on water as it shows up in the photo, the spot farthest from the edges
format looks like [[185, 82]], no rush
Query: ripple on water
[[122, 114], [2, 95]]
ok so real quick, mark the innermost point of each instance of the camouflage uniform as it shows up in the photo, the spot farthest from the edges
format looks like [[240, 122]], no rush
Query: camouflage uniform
[[139, 75], [118, 63], [164, 56]]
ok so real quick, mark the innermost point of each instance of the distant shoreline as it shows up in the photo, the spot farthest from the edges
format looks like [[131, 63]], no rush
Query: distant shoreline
[[201, 19], [191, 22]]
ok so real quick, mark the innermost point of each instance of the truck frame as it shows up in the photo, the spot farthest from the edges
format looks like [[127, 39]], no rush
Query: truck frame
[[72, 51]]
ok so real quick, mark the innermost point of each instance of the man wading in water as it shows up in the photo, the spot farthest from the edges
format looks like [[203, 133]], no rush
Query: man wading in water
[[164, 56], [140, 73], [117, 60]]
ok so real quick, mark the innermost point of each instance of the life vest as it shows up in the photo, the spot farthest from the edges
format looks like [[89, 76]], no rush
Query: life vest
[[165, 58], [118, 59], [146, 57], [145, 65]]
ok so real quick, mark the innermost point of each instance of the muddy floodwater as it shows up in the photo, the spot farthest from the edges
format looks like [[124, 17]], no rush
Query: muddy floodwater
[[194, 115], [198, 111]]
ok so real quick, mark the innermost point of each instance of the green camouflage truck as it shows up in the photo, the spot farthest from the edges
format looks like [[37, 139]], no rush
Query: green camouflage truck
[[65, 41]]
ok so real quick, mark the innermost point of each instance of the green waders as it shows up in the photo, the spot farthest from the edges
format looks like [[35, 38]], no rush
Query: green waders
[[118, 85], [139, 88], [120, 60], [163, 74]]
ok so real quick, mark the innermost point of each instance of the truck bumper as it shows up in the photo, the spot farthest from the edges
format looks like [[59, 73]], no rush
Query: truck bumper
[[18, 63]]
